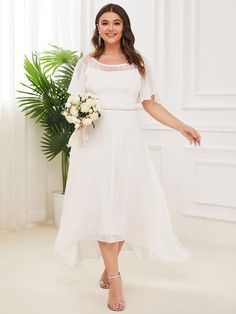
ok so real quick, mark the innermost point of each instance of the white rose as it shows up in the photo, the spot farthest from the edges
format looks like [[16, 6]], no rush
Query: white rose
[[65, 113], [68, 118], [86, 96], [86, 121], [90, 102], [70, 98], [74, 99], [90, 110], [74, 111], [68, 104], [77, 125], [94, 116], [72, 119], [99, 108], [84, 107]]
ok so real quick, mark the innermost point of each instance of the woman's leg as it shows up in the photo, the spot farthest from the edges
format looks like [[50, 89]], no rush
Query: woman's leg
[[104, 274], [110, 253], [120, 246]]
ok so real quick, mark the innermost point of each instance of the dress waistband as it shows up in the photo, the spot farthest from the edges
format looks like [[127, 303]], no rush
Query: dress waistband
[[124, 109], [118, 107]]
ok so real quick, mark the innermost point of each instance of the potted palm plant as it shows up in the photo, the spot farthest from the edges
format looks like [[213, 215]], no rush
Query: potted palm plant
[[48, 76]]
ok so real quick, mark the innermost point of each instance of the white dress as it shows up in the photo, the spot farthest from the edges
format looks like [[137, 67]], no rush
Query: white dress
[[113, 192]]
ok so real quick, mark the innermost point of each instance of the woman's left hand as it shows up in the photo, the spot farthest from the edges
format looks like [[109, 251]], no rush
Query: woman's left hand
[[190, 133]]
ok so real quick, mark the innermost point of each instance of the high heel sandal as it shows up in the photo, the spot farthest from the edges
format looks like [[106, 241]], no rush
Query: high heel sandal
[[104, 284], [110, 304]]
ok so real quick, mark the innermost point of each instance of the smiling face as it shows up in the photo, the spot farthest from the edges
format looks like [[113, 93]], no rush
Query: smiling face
[[110, 26]]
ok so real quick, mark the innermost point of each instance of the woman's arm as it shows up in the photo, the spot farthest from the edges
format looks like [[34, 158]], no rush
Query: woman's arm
[[159, 113]]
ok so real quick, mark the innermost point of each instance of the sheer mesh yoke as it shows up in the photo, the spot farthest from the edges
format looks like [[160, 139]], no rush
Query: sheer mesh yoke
[[148, 85], [108, 67]]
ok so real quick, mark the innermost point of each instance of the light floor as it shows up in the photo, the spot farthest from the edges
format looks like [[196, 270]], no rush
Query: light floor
[[33, 281]]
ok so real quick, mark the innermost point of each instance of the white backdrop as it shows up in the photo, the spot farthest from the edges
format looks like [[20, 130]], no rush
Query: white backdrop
[[192, 54], [26, 178]]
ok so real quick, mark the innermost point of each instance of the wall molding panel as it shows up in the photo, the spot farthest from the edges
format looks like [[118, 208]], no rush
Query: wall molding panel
[[197, 44], [207, 174]]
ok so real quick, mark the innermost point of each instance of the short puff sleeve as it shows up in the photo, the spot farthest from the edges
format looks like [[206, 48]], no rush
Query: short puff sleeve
[[77, 83], [148, 85]]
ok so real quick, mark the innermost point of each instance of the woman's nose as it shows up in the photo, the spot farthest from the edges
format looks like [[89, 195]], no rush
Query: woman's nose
[[110, 27]]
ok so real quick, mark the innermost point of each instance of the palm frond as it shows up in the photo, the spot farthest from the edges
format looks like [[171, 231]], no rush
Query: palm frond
[[53, 59], [55, 139], [64, 74], [43, 98]]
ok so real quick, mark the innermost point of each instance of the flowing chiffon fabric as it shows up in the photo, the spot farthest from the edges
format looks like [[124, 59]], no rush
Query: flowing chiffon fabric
[[113, 192]]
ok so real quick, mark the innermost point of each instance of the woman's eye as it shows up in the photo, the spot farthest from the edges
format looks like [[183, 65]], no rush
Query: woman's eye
[[105, 23]]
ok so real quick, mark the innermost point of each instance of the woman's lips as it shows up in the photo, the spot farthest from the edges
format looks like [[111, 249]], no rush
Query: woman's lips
[[110, 35]]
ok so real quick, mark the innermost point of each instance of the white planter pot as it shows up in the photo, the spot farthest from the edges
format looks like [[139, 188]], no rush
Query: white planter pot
[[57, 199]]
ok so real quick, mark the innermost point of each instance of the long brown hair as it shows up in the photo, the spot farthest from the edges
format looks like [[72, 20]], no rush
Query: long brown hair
[[127, 40]]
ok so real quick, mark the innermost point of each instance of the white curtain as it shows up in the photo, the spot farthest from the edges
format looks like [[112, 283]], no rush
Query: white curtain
[[26, 176]]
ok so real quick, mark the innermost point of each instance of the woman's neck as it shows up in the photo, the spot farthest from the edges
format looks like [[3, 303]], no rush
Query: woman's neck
[[112, 50]]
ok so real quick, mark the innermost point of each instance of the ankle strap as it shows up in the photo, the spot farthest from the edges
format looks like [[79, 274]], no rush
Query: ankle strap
[[117, 276]]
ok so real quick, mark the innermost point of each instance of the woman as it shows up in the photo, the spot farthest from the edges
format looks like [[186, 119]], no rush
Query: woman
[[113, 195]]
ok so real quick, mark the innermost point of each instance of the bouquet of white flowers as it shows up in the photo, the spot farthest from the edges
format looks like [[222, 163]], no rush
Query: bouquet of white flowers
[[82, 110]]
